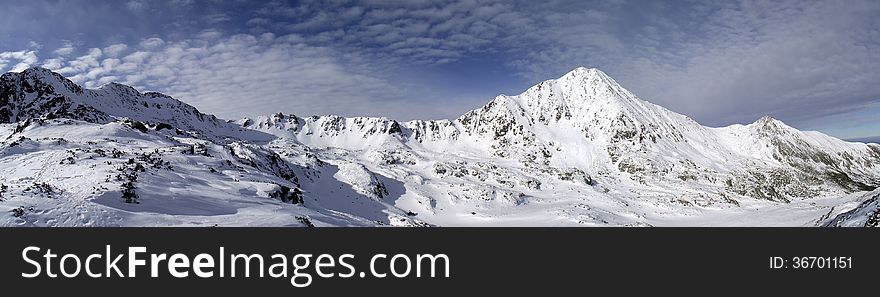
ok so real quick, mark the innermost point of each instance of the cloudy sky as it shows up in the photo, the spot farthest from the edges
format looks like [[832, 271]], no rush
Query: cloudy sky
[[812, 64]]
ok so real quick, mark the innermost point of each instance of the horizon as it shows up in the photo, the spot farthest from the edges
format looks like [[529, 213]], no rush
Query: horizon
[[869, 139], [810, 65]]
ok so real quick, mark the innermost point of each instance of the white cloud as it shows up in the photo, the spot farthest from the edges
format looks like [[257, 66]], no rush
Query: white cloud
[[66, 49], [53, 64], [136, 5], [217, 18], [84, 67], [422, 33], [258, 22], [182, 2], [210, 34], [720, 62], [35, 45], [260, 74], [115, 50], [152, 43], [21, 59], [785, 59]]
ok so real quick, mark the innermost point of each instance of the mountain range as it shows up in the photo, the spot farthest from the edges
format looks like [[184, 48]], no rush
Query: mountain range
[[579, 150], [875, 139]]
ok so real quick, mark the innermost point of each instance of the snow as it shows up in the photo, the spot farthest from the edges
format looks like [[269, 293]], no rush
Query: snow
[[188, 195], [575, 151]]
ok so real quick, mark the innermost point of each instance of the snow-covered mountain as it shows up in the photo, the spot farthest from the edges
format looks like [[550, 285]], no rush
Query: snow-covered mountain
[[577, 150], [40, 94]]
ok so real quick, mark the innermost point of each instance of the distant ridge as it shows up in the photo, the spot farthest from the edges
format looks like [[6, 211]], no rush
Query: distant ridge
[[873, 139]]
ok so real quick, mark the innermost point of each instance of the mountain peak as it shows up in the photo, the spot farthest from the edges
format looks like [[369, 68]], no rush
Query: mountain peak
[[590, 76], [768, 124], [118, 87], [584, 72], [42, 78], [767, 120], [41, 73], [37, 69]]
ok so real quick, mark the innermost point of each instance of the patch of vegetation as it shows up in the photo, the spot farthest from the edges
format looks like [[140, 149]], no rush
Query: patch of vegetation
[[161, 126], [575, 175], [846, 182], [21, 126], [129, 194], [729, 200], [288, 195], [136, 125], [777, 185], [686, 177], [18, 141], [874, 151], [873, 219], [379, 190], [70, 159], [533, 184], [128, 172], [21, 212], [305, 221], [629, 167], [439, 169], [197, 149], [154, 159], [117, 153], [785, 151], [44, 189]]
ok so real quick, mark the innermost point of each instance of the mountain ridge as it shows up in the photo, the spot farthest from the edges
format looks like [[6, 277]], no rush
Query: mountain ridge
[[630, 131], [38, 93], [576, 150]]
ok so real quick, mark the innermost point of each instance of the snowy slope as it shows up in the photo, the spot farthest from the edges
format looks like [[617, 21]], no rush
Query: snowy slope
[[579, 150], [67, 153], [866, 214], [524, 150]]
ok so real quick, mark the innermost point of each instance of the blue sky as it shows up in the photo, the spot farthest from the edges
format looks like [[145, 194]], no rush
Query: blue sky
[[812, 64]]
